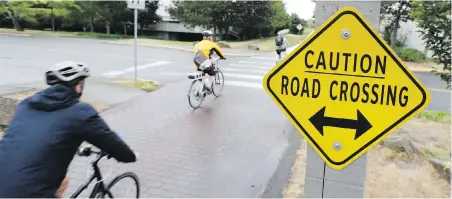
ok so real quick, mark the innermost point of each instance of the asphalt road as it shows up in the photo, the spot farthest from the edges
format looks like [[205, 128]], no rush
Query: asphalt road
[[24, 59]]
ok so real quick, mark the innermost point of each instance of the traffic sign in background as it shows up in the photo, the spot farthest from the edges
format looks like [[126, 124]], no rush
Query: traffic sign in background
[[345, 89]]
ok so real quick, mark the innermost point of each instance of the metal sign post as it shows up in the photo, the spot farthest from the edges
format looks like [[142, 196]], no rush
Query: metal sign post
[[135, 5]]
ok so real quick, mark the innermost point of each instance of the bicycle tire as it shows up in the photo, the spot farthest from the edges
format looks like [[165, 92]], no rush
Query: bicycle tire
[[218, 94], [190, 92], [120, 177]]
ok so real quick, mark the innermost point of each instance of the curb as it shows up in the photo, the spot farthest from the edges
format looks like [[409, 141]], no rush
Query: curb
[[181, 49], [16, 34], [283, 169]]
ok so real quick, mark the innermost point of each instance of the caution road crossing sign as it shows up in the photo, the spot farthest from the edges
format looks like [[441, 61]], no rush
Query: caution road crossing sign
[[345, 89]]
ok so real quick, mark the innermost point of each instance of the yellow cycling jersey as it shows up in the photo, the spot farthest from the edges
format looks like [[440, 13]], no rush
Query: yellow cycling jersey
[[204, 49]]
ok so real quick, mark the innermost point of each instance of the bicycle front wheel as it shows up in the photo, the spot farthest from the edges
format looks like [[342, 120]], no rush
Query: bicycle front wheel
[[131, 188], [195, 94], [218, 85]]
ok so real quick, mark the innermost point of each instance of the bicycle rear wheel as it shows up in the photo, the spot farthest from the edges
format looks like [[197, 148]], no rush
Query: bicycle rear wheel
[[115, 192], [195, 96], [218, 84]]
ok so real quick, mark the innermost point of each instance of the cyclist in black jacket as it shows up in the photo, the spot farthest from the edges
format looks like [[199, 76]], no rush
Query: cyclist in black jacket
[[45, 133]]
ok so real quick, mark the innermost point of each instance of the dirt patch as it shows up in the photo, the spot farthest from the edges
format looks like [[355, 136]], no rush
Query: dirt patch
[[99, 106], [295, 187], [433, 137], [395, 175], [2, 129], [392, 173], [22, 95]]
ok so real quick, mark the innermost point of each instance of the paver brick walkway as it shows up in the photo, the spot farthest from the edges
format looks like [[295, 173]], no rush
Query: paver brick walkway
[[220, 150]]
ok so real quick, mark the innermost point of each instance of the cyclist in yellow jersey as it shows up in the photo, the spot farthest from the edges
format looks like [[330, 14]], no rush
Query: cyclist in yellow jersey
[[203, 53]]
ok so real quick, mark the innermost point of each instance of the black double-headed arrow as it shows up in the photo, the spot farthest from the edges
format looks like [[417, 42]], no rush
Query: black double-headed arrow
[[319, 120]]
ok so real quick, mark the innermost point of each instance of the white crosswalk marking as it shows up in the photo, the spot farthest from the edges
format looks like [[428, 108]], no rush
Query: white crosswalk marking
[[245, 73], [243, 76], [243, 84], [248, 73], [264, 58], [258, 63], [250, 66], [262, 72], [132, 69]]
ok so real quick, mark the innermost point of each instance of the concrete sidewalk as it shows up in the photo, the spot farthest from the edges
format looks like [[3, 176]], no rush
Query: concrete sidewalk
[[229, 148]]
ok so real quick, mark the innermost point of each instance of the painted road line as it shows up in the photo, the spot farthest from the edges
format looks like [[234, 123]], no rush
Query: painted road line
[[227, 75], [249, 66], [262, 72], [259, 77], [243, 84], [258, 63], [439, 90], [131, 69], [264, 58]]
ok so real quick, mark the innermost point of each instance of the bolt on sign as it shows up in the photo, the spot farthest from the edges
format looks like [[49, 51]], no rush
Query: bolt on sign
[[345, 89]]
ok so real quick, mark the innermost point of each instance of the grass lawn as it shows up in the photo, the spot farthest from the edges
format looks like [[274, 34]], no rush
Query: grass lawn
[[144, 85], [436, 116], [70, 34]]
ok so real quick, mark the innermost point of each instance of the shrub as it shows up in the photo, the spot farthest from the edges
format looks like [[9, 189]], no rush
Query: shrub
[[410, 54]]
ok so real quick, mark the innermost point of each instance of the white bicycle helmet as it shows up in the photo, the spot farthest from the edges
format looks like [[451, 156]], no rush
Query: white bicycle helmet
[[207, 33], [68, 72]]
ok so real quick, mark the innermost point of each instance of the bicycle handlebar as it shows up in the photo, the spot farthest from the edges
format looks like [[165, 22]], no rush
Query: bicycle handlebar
[[87, 151]]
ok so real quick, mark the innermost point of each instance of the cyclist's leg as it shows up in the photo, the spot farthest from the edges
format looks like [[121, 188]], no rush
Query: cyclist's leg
[[208, 68], [63, 187]]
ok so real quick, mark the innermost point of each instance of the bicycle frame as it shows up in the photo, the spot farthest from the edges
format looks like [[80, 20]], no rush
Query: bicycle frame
[[99, 187]]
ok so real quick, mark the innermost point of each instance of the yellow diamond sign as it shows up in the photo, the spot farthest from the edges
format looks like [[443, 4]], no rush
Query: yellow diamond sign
[[345, 89]]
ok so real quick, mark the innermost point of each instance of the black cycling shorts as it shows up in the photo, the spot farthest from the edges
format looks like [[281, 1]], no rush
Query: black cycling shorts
[[210, 71], [280, 50]]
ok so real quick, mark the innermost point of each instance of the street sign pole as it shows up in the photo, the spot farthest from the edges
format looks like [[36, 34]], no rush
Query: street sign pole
[[135, 21], [321, 181], [135, 5]]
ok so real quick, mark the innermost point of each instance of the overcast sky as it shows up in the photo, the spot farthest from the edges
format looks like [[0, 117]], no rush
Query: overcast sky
[[304, 8]]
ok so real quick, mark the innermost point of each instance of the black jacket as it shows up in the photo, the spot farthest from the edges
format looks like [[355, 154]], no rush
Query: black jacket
[[43, 137]]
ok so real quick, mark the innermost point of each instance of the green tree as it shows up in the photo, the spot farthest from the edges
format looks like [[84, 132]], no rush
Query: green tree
[[18, 11], [192, 13], [89, 13], [394, 13], [294, 21], [434, 21], [209, 14], [279, 19], [148, 16], [54, 5], [253, 17]]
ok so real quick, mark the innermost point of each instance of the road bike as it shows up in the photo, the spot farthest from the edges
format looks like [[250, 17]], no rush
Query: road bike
[[198, 90], [100, 190]]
